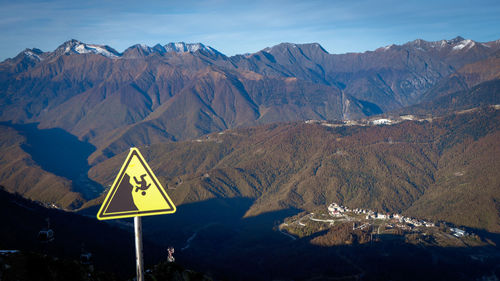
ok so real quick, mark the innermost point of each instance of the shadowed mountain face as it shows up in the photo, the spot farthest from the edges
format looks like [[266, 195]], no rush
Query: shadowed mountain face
[[55, 150], [212, 237], [60, 161], [49, 165], [61, 154], [111, 246], [21, 174]]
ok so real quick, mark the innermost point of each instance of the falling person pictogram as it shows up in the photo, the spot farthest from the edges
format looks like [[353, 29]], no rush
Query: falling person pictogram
[[143, 184], [135, 192]]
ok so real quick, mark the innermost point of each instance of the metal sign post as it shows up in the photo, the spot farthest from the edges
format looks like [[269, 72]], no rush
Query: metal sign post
[[124, 201], [138, 248]]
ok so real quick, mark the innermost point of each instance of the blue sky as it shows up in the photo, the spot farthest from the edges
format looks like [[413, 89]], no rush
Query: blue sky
[[235, 27]]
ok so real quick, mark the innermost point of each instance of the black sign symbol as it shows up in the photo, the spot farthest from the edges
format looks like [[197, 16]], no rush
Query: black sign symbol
[[143, 184], [124, 201]]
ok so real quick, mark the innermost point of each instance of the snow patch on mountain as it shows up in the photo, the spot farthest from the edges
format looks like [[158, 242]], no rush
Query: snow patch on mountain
[[77, 47], [181, 47], [456, 44], [388, 47], [464, 44], [32, 56], [95, 49]]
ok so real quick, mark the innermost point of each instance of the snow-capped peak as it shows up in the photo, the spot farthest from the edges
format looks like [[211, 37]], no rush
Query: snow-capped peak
[[457, 43], [96, 49], [76, 47], [33, 54], [181, 47], [464, 44]]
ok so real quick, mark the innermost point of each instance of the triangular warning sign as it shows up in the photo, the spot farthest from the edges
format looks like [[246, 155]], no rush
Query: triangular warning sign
[[135, 192]]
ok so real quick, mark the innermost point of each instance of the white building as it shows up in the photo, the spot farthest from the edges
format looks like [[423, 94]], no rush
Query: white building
[[458, 232], [381, 121], [407, 117], [417, 223]]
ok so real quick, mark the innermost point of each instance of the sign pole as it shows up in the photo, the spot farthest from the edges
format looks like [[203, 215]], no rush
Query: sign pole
[[125, 201], [138, 248]]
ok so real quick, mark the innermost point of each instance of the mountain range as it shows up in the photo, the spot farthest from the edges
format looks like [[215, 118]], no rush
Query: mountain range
[[179, 91], [173, 100]]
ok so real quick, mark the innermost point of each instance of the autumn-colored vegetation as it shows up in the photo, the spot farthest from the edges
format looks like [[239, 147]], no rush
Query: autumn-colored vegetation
[[434, 170]]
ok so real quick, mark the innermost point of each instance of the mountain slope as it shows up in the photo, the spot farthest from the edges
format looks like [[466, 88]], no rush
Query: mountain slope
[[175, 92], [20, 174], [111, 245], [473, 85], [391, 77], [466, 77], [465, 182], [385, 168], [486, 93], [75, 88], [77, 73]]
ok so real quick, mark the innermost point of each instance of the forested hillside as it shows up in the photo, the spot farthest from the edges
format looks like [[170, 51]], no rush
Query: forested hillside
[[433, 169]]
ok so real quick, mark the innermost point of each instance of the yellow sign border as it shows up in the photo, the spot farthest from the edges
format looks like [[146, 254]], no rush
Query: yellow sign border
[[101, 215]]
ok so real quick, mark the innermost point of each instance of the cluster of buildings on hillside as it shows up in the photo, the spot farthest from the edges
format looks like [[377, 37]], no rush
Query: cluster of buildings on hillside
[[371, 121], [336, 210], [362, 218]]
